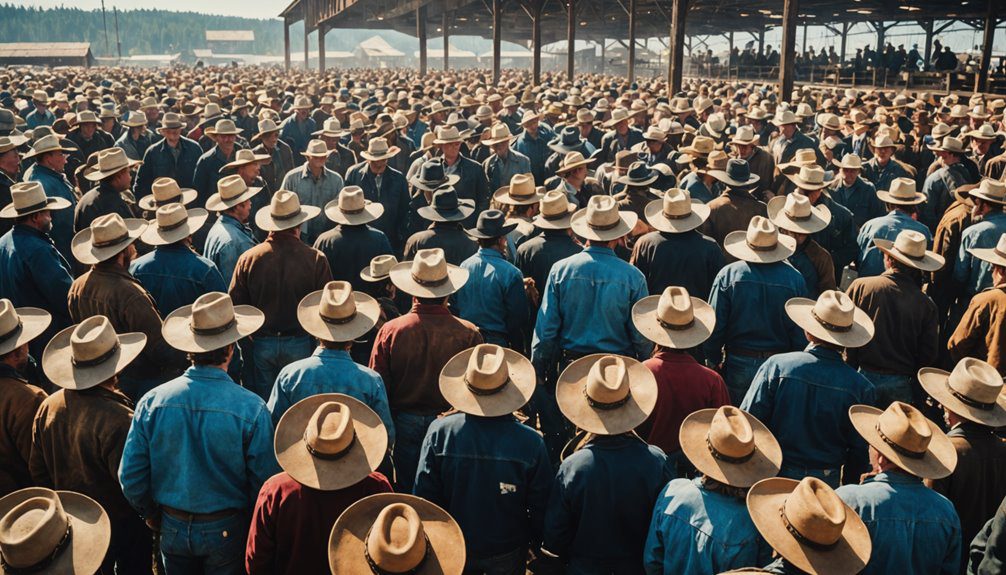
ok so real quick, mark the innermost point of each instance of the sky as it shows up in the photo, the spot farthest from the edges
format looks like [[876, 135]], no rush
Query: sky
[[245, 8]]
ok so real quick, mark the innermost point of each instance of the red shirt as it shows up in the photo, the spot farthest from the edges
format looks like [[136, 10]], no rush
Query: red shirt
[[683, 386], [291, 524]]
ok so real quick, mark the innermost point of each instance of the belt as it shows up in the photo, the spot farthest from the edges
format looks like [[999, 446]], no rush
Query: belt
[[186, 516], [755, 353], [297, 332]]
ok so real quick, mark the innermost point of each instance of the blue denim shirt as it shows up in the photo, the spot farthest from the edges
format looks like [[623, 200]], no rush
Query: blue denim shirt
[[297, 134], [697, 188], [176, 276], [159, 162], [695, 532], [536, 150], [860, 199], [207, 173], [750, 301], [882, 177], [939, 189], [499, 172], [36, 119], [316, 193], [870, 261], [330, 371], [492, 474], [226, 241], [493, 298], [804, 398], [974, 274], [913, 528], [578, 289], [57, 186], [199, 443], [416, 130], [839, 238]]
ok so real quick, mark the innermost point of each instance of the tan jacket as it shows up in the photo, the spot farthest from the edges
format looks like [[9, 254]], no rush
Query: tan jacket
[[982, 331]]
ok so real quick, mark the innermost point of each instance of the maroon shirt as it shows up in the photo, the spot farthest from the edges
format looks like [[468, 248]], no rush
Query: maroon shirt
[[683, 386], [291, 524]]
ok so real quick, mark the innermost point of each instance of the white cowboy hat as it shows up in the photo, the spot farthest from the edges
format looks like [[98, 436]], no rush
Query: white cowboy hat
[[428, 275], [173, 223], [231, 191], [378, 149], [18, 326], [676, 212], [602, 221], [166, 191], [352, 208], [110, 162], [28, 198], [833, 318], [284, 212], [795, 213], [674, 319], [210, 323], [760, 244]]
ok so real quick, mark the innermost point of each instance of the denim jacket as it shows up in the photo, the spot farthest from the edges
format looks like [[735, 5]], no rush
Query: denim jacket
[[536, 150], [493, 298], [870, 261], [882, 177], [697, 188], [974, 274], [860, 199], [57, 186], [159, 162], [498, 172], [226, 241], [176, 276]]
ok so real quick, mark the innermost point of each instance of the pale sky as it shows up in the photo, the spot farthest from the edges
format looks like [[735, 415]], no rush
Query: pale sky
[[246, 8]]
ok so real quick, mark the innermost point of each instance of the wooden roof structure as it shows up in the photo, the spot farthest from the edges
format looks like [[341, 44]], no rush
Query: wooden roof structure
[[46, 53], [230, 35]]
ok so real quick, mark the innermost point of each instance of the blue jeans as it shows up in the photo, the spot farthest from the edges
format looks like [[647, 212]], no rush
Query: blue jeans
[[211, 547], [738, 373], [889, 387], [512, 563], [832, 477], [271, 355], [410, 430]]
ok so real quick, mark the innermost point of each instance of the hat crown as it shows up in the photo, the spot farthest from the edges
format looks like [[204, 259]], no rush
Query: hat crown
[[762, 233], [703, 144], [330, 430], [445, 198], [639, 171], [432, 171], [815, 511], [318, 148], [87, 117], [351, 200], [230, 187], [554, 203], [745, 134], [108, 229], [902, 189], [570, 136], [93, 338], [993, 189], [904, 426], [171, 216], [332, 125], [33, 530], [429, 266], [797, 206], [381, 265], [835, 310], [674, 308], [811, 174], [171, 120], [337, 301], [212, 313], [602, 212], [972, 378], [804, 156], [677, 203], [165, 189], [225, 126], [284, 204], [9, 318], [849, 161], [397, 541], [911, 243], [46, 143], [446, 133], [572, 158], [112, 159], [607, 381], [379, 146], [244, 155], [267, 125], [730, 433], [521, 186], [26, 195], [952, 144], [499, 131], [487, 369], [717, 122]]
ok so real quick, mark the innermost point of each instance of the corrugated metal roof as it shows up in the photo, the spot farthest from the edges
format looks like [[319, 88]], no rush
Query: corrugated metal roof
[[230, 35], [45, 50]]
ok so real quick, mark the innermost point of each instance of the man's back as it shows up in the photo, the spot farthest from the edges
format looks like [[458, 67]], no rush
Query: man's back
[[175, 276], [974, 274], [689, 260], [870, 261], [731, 212], [450, 237], [349, 249], [536, 256]]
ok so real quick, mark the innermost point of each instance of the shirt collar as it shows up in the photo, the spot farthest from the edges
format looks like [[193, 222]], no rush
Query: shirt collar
[[306, 172], [322, 351], [675, 357], [490, 253], [825, 353], [426, 308], [602, 250], [202, 372], [897, 477]]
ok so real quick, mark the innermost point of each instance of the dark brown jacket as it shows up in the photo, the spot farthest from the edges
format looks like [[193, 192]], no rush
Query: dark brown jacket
[[763, 166], [823, 265], [19, 401], [946, 242], [982, 331], [731, 212]]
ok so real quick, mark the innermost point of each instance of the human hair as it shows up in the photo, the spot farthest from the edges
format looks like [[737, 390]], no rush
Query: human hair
[[215, 357], [345, 345], [432, 300], [488, 242], [912, 209], [713, 486]]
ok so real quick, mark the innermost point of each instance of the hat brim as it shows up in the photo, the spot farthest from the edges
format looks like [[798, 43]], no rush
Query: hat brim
[[930, 262], [514, 394], [556, 223], [258, 158], [654, 214], [155, 236], [990, 255], [934, 381], [83, 248], [177, 330], [801, 311], [736, 245], [626, 222], [503, 196], [465, 208], [213, 132], [148, 203], [584, 162], [258, 135], [820, 217], [886, 197], [33, 153], [849, 554], [216, 203], [365, 455], [428, 186], [401, 277], [504, 230], [940, 457], [978, 193], [569, 394], [644, 182], [367, 313], [644, 317], [725, 178], [97, 175], [348, 541], [57, 361], [371, 212], [764, 462], [265, 221], [51, 204], [391, 153], [612, 122], [34, 322]]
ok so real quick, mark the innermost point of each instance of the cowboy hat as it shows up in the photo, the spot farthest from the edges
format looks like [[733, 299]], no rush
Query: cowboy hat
[[105, 238], [173, 223], [901, 193], [316, 149], [639, 174], [431, 176], [676, 212], [330, 441], [909, 248], [573, 160], [833, 318], [337, 313], [602, 221], [46, 531], [809, 178], [28, 198], [332, 128], [170, 121], [266, 126], [491, 224], [883, 140], [568, 140], [231, 191], [521, 191], [210, 323], [554, 211], [761, 243], [111, 161], [737, 174], [301, 103], [606, 394], [949, 144], [352, 208], [379, 268], [784, 117], [990, 190], [396, 533], [89, 353], [18, 326], [135, 120], [619, 115], [906, 438], [985, 132], [85, 117], [745, 136], [498, 133], [730, 446], [849, 161], [284, 212], [994, 255], [446, 207], [701, 146], [223, 127], [829, 121], [809, 525], [673, 319], [448, 135], [11, 142], [973, 390], [487, 380], [802, 157], [378, 149], [244, 157], [428, 275], [45, 144], [166, 191], [794, 213]]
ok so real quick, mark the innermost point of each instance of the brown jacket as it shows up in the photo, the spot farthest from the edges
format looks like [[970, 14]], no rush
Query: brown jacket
[[982, 331], [731, 212], [823, 265], [946, 242], [19, 401], [762, 165]]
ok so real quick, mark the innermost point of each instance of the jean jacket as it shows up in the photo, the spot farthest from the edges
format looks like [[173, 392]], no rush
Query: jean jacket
[[493, 298], [974, 274], [176, 276], [870, 261], [57, 186], [227, 240]]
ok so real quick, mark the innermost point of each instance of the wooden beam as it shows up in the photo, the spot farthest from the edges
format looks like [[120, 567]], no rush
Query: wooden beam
[[845, 38], [676, 50], [632, 40], [307, 56], [570, 38], [927, 27], [321, 47], [990, 29], [421, 34], [536, 41], [786, 70], [445, 26], [497, 35], [286, 44]]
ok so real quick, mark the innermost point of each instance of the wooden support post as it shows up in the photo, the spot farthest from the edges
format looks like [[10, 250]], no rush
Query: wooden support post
[[604, 55], [421, 34], [845, 39], [497, 36], [676, 46], [761, 40], [321, 48], [307, 54], [286, 44], [983, 68], [570, 38], [804, 38], [632, 41], [881, 35], [534, 10], [927, 26], [786, 73], [445, 26]]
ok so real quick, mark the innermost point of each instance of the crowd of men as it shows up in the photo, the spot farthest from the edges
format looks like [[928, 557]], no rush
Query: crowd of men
[[369, 322]]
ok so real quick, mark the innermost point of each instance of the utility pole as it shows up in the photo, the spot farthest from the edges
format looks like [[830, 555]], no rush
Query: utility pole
[[104, 24], [118, 43]]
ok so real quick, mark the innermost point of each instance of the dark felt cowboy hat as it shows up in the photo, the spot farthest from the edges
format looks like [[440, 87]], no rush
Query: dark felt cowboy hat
[[491, 224], [446, 207]]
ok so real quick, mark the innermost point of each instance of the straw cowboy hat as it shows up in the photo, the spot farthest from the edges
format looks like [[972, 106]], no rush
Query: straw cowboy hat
[[45, 144], [487, 380], [166, 191], [730, 446], [266, 126], [619, 115], [301, 103], [906, 438], [10, 142], [244, 157], [46, 531], [810, 178], [110, 162], [794, 213], [973, 390], [676, 212], [949, 144], [379, 268], [431, 176], [18, 326], [760, 244], [909, 248], [802, 157], [448, 135], [849, 161], [231, 191], [428, 275], [446, 207], [639, 174], [745, 136], [223, 128], [498, 133], [89, 353], [985, 132], [809, 525], [673, 319], [555, 211], [521, 191], [316, 149], [701, 146], [680, 106], [378, 149], [332, 128], [337, 313], [211, 322], [902, 193], [829, 121], [606, 394], [170, 121], [737, 174], [135, 120], [173, 223], [784, 117], [28, 198], [396, 533], [330, 441], [990, 191], [833, 318], [995, 255], [352, 208], [284, 212], [107, 236], [883, 140], [572, 161], [601, 220]]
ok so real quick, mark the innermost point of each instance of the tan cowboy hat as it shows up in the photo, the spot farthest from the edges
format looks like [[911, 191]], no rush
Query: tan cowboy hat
[[949, 144], [849, 161], [701, 147], [337, 313], [985, 132], [795, 213], [619, 115], [809, 525], [244, 157], [10, 142], [330, 441], [448, 135], [760, 244], [301, 103], [396, 533], [89, 353], [332, 128], [730, 446], [521, 191], [802, 157], [317, 149], [973, 390], [284, 212], [995, 256], [784, 117], [85, 117], [171, 121], [498, 133], [28, 198], [231, 191], [351, 208], [809, 178], [377, 149], [111, 161], [902, 193], [107, 236], [210, 323], [554, 211], [166, 191], [64, 532], [135, 120], [606, 394], [602, 221], [990, 191], [673, 319], [905, 437], [883, 140], [488, 380], [833, 318], [222, 128], [571, 161], [909, 248], [173, 223], [266, 126], [428, 275], [745, 136], [379, 268], [829, 121], [18, 326], [676, 212], [48, 143]]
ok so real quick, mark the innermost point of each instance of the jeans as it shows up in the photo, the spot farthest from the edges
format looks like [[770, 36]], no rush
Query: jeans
[[210, 547], [738, 373], [512, 563], [890, 387], [130, 549], [272, 354], [832, 477], [410, 430]]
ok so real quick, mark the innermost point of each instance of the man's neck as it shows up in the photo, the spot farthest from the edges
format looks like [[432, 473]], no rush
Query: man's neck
[[316, 171]]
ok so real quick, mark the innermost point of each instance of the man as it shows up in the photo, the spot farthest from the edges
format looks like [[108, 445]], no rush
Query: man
[[248, 165], [446, 232], [988, 224], [411, 351], [113, 173], [386, 186], [731, 211], [174, 156], [341, 158], [352, 244], [573, 180], [10, 167], [790, 138], [902, 203], [502, 515], [803, 396], [88, 136], [207, 174], [242, 118], [941, 183], [282, 155], [566, 141], [303, 269], [505, 162], [947, 242], [92, 415], [881, 170], [797, 218], [230, 236], [200, 446], [620, 136], [472, 184], [297, 128], [533, 143], [537, 254], [135, 140], [50, 161], [987, 554], [749, 296], [852, 191], [905, 319], [745, 147], [41, 115], [519, 201], [635, 195], [700, 157], [315, 185], [913, 528]]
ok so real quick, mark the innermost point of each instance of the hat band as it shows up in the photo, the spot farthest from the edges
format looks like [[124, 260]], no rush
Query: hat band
[[676, 326], [289, 216], [338, 320], [800, 537], [85, 363], [898, 448], [762, 248], [677, 216], [213, 330], [957, 395], [606, 405], [112, 242], [378, 571], [485, 391], [799, 218], [719, 455], [329, 456], [12, 333], [45, 562], [603, 227], [430, 283], [830, 326], [32, 207], [520, 196], [171, 200], [172, 227]]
